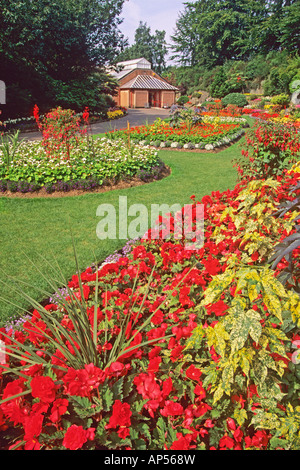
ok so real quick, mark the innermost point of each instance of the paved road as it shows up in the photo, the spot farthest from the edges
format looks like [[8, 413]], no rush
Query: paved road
[[136, 117]]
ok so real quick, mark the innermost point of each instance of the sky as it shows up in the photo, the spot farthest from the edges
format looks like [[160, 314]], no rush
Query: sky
[[158, 14]]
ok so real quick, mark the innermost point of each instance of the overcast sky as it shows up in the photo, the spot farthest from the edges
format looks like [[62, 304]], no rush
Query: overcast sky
[[158, 14]]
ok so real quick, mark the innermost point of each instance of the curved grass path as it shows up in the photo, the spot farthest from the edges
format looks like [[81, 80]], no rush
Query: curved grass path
[[34, 227]]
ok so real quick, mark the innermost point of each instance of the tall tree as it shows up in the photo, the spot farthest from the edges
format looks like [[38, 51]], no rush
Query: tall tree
[[160, 50], [151, 47], [209, 32], [48, 45], [279, 27]]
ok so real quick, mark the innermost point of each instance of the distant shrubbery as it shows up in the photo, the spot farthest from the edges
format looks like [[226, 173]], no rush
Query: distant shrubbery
[[272, 73], [235, 98]]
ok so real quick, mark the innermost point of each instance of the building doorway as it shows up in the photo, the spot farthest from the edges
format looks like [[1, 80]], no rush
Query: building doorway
[[151, 98], [155, 99]]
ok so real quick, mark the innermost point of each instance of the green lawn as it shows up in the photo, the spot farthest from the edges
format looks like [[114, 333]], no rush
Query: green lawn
[[30, 228]]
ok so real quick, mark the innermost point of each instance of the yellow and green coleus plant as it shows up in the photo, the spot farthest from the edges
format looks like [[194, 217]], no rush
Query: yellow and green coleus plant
[[251, 345], [250, 320]]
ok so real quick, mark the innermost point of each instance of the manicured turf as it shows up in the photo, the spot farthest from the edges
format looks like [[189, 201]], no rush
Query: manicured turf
[[33, 227]]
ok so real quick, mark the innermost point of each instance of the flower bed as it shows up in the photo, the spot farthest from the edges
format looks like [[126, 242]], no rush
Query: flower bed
[[167, 348], [268, 150], [266, 115], [212, 132], [92, 163]]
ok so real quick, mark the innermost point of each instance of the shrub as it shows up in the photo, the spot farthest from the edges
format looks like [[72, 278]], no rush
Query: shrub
[[12, 186], [295, 84], [219, 87], [182, 100], [281, 100], [269, 149], [235, 98], [61, 131], [275, 84]]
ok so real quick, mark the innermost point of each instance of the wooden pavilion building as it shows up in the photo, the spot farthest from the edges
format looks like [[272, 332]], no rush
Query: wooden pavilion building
[[141, 87]]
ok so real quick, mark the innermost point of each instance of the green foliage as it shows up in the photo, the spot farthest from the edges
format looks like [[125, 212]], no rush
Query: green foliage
[[235, 98], [251, 342], [184, 115], [55, 46], [152, 47], [100, 162], [183, 100], [274, 84], [284, 250], [295, 84], [9, 145], [210, 33], [281, 100], [219, 87], [269, 149]]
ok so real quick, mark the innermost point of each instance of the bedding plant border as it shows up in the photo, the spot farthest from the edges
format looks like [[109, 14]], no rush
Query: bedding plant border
[[158, 140], [167, 348]]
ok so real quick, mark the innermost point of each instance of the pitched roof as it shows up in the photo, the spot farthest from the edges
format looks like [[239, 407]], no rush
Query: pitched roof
[[128, 65], [148, 82], [135, 62]]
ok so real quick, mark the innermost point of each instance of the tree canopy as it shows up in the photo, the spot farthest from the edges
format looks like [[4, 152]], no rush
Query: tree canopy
[[209, 32], [48, 48], [152, 47]]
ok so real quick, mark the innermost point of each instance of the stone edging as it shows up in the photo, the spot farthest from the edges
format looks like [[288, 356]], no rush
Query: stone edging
[[201, 146]]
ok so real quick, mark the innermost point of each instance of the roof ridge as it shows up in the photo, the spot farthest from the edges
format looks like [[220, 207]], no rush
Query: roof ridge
[[148, 81]]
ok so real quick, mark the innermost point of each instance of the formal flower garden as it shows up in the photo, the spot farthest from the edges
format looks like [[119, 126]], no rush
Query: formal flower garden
[[69, 159], [186, 129], [91, 165], [164, 348]]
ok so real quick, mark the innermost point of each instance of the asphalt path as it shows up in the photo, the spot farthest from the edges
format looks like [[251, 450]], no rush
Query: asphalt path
[[136, 117]]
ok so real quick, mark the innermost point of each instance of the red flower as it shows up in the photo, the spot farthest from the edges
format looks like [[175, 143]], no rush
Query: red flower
[[231, 424], [82, 382], [167, 387], [135, 342], [172, 408], [184, 298], [182, 442], [260, 439], [176, 353], [219, 308], [154, 364], [59, 408], [238, 434], [33, 426], [226, 441], [200, 392], [147, 386], [75, 437], [201, 409], [36, 115], [193, 373], [212, 265], [121, 416], [43, 388], [86, 115], [13, 408], [123, 433]]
